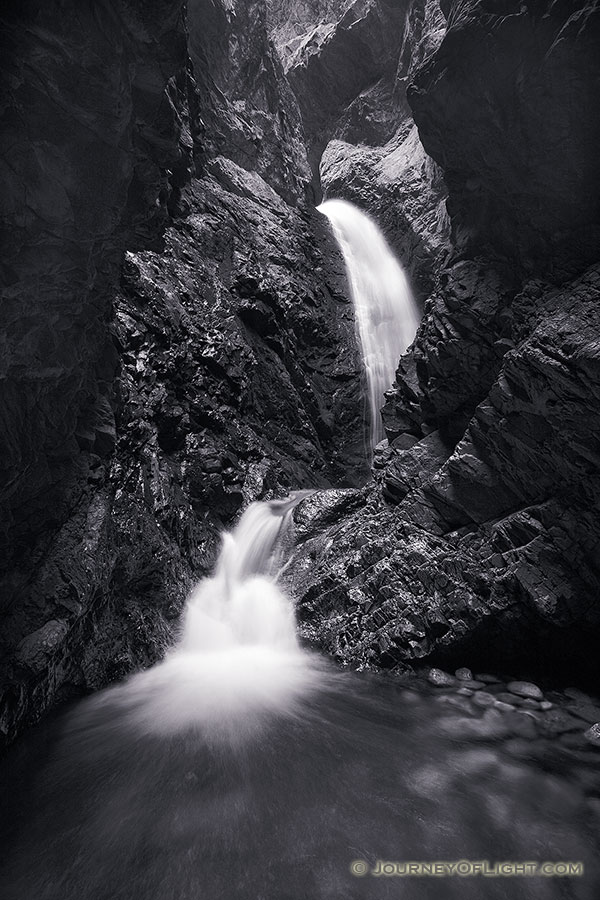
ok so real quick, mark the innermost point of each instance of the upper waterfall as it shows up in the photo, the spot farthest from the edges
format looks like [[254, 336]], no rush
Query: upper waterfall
[[386, 313]]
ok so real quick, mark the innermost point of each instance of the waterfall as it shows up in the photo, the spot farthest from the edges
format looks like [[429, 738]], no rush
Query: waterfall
[[386, 314], [238, 656]]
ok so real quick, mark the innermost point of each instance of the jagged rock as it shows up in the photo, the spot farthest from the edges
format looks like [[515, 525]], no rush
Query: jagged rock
[[229, 370], [506, 107], [34, 650], [490, 548], [592, 735], [248, 111], [439, 678]]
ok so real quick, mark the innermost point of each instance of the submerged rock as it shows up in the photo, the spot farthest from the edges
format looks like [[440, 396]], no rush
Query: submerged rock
[[592, 735], [525, 689]]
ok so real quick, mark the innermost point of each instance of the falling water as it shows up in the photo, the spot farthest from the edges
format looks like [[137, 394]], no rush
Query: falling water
[[386, 314], [238, 655]]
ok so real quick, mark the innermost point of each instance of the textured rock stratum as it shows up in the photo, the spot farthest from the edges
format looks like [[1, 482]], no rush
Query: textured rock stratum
[[178, 341], [350, 73], [481, 541]]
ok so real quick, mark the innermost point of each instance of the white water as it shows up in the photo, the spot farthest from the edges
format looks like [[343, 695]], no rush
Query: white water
[[238, 655], [386, 313]]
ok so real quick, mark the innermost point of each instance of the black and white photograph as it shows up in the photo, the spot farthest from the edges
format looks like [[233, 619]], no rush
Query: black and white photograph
[[300, 450]]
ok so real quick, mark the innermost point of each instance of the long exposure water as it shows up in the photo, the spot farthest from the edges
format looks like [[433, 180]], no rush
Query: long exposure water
[[385, 311], [244, 766]]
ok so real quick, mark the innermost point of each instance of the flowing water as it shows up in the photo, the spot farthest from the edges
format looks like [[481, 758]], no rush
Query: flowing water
[[244, 766], [386, 314]]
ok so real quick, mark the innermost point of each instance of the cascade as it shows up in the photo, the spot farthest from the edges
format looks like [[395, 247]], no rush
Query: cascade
[[237, 656], [385, 311]]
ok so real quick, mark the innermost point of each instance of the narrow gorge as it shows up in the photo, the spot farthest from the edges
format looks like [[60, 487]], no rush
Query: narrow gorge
[[300, 405]]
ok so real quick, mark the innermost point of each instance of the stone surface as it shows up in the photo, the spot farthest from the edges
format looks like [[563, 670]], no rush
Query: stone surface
[[592, 735], [508, 100], [525, 689], [439, 678], [178, 338], [480, 540], [358, 118]]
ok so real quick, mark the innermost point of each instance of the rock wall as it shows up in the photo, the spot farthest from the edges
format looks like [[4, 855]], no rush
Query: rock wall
[[89, 137], [350, 74], [177, 337], [481, 541]]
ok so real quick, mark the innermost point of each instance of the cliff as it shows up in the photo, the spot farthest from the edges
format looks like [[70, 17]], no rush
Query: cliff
[[177, 337], [482, 541]]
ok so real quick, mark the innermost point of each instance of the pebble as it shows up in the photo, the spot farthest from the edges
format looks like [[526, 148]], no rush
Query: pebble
[[483, 698], [457, 702], [528, 703], [504, 707], [439, 678], [465, 692], [487, 679], [464, 674], [490, 727], [545, 705], [593, 734], [588, 713], [559, 722], [525, 689], [523, 724], [507, 698]]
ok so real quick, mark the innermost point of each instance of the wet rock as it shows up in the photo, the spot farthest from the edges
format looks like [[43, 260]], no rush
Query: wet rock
[[523, 725], [529, 703], [525, 689], [191, 347], [35, 650], [558, 721], [505, 697], [461, 124], [483, 698], [464, 674], [503, 707], [492, 726], [487, 678], [439, 678], [592, 735]]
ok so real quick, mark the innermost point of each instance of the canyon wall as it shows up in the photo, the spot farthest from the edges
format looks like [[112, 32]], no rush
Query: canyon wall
[[481, 541], [177, 336]]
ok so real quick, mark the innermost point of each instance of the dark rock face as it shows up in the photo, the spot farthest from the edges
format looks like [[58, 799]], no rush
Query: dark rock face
[[151, 395], [89, 137], [350, 75], [481, 541], [247, 109], [515, 126]]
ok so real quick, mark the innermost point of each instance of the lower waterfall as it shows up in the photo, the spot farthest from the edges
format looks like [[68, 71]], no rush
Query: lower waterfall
[[245, 767], [238, 656], [385, 311]]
